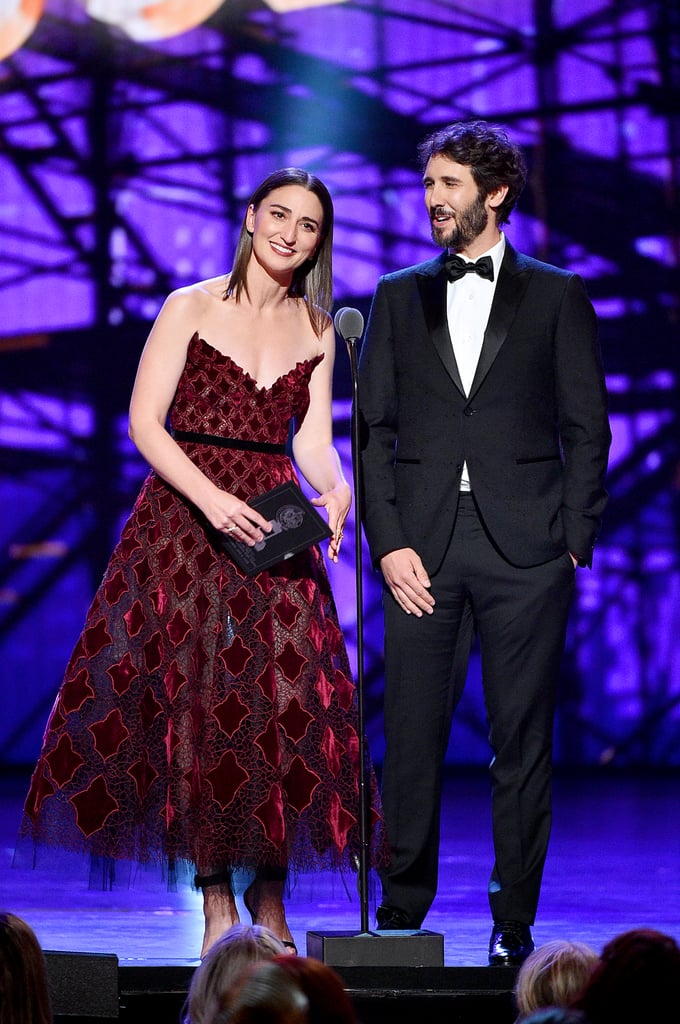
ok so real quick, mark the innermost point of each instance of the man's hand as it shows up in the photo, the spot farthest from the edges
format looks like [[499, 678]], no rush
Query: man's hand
[[405, 575]]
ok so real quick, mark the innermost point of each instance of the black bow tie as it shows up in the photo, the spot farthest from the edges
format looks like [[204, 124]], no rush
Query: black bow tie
[[456, 267]]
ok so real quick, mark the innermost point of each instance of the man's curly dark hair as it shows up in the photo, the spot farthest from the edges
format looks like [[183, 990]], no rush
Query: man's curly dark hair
[[486, 149]]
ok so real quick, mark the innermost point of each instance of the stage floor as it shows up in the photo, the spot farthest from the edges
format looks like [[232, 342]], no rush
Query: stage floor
[[614, 864]]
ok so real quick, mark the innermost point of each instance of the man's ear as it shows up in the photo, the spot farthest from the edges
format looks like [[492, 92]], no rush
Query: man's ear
[[494, 199]]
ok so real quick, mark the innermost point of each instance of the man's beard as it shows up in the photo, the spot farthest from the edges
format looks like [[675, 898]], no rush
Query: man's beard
[[468, 225]]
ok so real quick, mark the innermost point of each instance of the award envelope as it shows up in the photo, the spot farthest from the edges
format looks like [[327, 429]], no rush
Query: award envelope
[[296, 525]]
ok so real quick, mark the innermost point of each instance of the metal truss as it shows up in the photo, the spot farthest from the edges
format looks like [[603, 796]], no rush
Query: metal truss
[[118, 158]]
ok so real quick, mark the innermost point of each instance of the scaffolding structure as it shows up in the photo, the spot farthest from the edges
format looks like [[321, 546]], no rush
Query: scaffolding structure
[[124, 169]]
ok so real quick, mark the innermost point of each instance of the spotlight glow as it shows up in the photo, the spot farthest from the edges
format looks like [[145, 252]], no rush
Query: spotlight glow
[[144, 21], [282, 6], [18, 19]]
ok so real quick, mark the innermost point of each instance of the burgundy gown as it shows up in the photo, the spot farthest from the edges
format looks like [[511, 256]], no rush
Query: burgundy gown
[[207, 717]]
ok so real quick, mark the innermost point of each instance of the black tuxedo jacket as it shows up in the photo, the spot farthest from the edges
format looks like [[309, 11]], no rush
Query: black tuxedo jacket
[[533, 430]]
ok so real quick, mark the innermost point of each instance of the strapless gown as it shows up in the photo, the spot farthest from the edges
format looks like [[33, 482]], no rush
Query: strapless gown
[[207, 717]]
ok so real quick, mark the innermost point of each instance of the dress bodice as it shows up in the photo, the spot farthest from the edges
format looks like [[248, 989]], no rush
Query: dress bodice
[[216, 396]]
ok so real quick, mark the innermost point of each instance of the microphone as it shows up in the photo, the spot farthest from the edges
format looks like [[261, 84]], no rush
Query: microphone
[[349, 323]]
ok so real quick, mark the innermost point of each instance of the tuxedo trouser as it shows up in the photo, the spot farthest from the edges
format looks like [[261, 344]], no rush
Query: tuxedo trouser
[[520, 615]]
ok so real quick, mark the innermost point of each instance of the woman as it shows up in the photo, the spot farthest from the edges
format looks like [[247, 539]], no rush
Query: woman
[[328, 999], [637, 979], [24, 991], [207, 716], [226, 961], [553, 975], [264, 995]]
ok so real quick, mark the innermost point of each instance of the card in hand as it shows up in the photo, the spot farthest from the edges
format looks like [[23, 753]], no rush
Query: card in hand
[[296, 525]]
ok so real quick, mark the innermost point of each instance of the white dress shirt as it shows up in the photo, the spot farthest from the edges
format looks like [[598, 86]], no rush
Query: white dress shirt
[[468, 304]]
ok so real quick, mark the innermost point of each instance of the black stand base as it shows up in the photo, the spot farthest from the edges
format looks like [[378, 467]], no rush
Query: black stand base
[[412, 948]]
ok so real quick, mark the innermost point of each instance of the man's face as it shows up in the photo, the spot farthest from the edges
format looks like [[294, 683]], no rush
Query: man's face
[[457, 213]]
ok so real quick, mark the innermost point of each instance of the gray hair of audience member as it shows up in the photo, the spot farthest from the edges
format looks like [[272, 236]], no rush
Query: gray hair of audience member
[[553, 975], [266, 994], [24, 990], [223, 965]]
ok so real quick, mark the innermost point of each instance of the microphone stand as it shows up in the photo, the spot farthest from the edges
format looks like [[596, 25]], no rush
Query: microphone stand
[[364, 796], [412, 948]]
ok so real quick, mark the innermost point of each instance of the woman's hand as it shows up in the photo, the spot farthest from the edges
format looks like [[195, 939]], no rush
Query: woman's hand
[[230, 515], [337, 503]]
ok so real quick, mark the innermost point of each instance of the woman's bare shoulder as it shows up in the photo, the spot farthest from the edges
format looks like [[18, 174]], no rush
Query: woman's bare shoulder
[[194, 301], [202, 293]]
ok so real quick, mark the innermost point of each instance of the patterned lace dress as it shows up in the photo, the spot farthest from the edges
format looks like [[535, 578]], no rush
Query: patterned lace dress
[[206, 717]]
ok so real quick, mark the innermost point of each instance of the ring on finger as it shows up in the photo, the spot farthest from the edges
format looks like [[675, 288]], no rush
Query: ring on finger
[[230, 529]]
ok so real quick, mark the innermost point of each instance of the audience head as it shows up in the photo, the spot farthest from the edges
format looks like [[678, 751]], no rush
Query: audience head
[[329, 1001], [636, 979], [555, 1015], [265, 994], [223, 965], [553, 975], [24, 993]]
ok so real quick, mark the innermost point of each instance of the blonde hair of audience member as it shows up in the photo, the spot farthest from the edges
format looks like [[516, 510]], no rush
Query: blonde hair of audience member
[[555, 1015], [266, 994], [24, 993], [222, 967], [553, 975], [329, 1001]]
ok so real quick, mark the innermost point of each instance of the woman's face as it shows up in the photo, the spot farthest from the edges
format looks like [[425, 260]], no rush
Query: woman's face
[[286, 228]]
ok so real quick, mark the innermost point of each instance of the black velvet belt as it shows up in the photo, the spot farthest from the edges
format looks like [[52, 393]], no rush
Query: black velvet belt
[[229, 442]]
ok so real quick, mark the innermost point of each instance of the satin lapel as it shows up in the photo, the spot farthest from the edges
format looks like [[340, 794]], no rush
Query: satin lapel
[[513, 280], [432, 289]]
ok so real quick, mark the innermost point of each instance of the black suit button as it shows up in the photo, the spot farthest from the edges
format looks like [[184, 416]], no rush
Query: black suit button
[[469, 411]]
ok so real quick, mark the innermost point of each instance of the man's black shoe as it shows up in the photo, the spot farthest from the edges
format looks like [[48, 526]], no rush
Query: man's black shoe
[[510, 943], [391, 919]]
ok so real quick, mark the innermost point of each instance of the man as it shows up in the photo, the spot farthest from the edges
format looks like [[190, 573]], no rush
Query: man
[[484, 448]]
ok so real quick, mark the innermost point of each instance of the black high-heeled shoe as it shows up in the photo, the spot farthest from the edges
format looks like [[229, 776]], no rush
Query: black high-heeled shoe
[[285, 942]]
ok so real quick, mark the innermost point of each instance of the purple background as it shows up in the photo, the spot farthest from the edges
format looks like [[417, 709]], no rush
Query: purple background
[[124, 169]]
